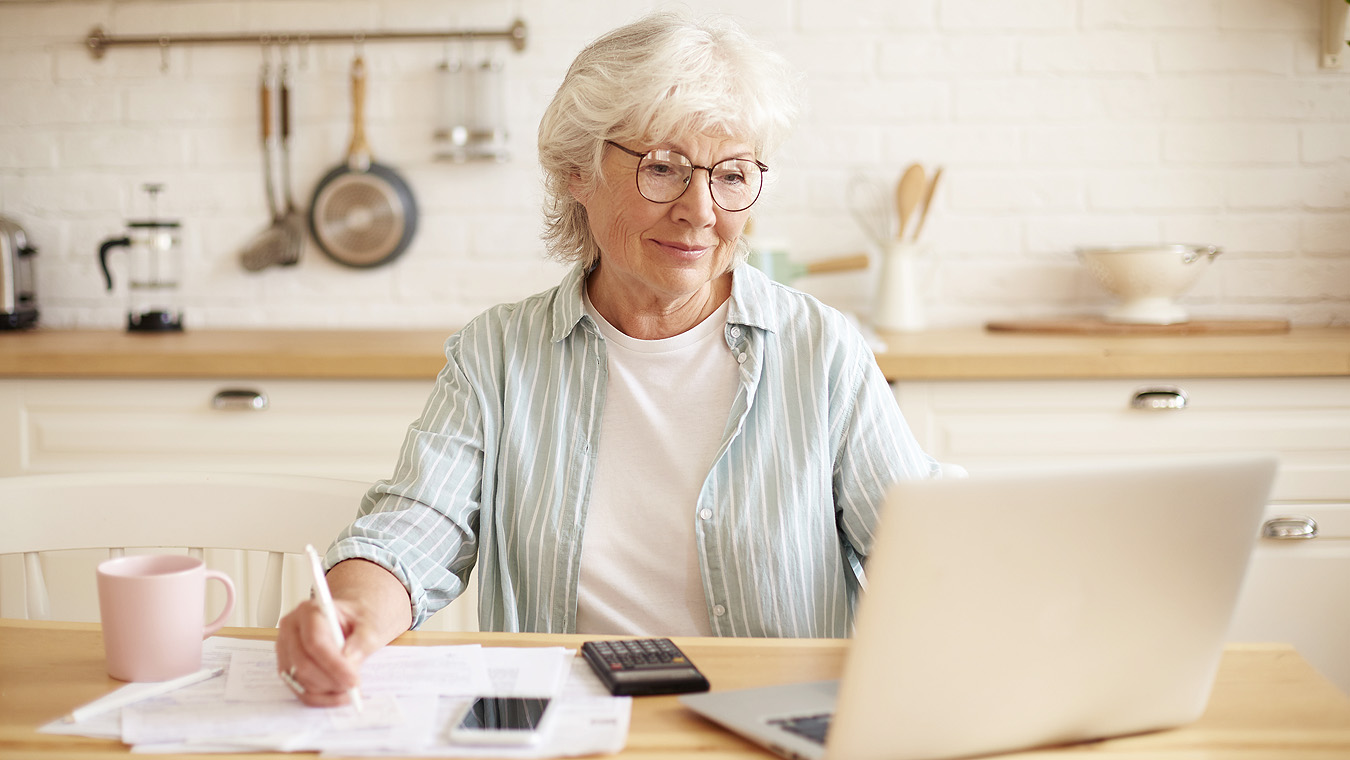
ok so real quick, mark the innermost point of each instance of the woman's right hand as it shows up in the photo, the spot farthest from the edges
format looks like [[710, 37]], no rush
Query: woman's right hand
[[372, 608]]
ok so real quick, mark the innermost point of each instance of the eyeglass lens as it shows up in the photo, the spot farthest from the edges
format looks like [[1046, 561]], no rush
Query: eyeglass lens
[[664, 175]]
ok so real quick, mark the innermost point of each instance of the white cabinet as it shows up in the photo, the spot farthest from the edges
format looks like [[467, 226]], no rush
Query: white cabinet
[[348, 429], [338, 428], [1298, 589]]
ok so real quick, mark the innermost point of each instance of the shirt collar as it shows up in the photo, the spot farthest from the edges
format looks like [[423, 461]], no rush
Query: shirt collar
[[752, 301], [567, 310]]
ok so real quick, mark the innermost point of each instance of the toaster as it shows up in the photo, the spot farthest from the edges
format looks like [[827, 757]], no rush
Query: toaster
[[18, 300]]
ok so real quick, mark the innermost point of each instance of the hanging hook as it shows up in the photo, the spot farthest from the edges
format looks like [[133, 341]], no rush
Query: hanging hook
[[283, 51], [302, 52]]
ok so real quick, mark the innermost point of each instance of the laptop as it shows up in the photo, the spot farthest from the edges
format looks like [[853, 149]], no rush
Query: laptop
[[1022, 609]]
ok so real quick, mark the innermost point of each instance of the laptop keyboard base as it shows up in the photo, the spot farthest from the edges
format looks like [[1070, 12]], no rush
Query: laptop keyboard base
[[809, 727]]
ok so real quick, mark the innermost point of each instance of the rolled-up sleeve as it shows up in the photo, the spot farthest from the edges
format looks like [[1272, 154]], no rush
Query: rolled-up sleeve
[[422, 523]]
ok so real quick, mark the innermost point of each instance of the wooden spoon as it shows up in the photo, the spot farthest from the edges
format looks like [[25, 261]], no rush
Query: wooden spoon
[[908, 194], [927, 201]]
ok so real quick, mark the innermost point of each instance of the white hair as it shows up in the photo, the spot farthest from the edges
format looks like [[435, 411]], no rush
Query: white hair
[[656, 80]]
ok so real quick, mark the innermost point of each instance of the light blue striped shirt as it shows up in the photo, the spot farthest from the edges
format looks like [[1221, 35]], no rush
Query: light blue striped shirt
[[497, 471]]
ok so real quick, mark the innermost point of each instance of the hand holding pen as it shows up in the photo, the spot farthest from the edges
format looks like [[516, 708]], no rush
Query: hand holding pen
[[373, 608], [323, 598], [329, 612]]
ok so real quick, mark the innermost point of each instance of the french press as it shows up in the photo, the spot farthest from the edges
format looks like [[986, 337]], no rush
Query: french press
[[152, 270]]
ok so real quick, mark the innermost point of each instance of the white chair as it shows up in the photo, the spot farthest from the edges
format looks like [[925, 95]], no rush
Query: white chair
[[275, 514]]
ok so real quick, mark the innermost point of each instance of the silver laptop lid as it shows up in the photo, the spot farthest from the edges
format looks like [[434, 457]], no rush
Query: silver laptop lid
[[1047, 605]]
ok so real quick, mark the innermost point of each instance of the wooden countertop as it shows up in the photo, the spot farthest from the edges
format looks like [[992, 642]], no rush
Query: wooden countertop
[[975, 354], [970, 353]]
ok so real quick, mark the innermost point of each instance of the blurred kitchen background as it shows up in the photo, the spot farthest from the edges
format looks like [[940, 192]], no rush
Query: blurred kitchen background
[[1058, 124]]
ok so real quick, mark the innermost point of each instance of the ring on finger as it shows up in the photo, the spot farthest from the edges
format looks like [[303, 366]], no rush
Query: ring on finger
[[289, 677]]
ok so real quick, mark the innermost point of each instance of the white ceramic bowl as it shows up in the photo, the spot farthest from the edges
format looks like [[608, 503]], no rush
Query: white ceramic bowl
[[1148, 279]]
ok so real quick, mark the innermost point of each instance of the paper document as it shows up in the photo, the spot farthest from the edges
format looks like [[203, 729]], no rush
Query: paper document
[[216, 653], [411, 695], [520, 672], [589, 722], [392, 670]]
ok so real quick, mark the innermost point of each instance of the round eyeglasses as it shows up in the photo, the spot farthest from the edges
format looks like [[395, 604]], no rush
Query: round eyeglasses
[[664, 175]]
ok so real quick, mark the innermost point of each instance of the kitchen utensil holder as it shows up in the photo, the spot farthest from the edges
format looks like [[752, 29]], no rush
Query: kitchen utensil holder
[[98, 41], [907, 270]]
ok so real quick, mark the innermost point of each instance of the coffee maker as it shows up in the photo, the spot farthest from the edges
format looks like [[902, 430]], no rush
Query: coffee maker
[[18, 299], [152, 271]]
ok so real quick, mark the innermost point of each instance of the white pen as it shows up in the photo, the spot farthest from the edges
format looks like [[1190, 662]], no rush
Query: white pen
[[330, 612], [133, 693]]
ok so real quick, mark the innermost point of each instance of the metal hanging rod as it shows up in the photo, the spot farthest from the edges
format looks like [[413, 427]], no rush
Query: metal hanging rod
[[98, 42]]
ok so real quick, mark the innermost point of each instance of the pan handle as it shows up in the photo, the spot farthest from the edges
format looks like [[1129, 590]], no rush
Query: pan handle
[[358, 153]]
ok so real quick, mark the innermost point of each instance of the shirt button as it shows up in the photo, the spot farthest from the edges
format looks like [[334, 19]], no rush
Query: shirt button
[[735, 332], [740, 358], [719, 610], [705, 513]]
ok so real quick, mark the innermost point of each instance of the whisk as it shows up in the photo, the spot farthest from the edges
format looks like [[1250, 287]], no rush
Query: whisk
[[871, 202]]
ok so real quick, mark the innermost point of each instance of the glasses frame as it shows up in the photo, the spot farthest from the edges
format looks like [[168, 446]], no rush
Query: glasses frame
[[763, 168]]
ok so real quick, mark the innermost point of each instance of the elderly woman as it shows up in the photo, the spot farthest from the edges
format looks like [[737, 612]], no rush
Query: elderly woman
[[666, 443]]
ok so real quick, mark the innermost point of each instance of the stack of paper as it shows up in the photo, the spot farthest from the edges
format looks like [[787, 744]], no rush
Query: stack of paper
[[411, 696]]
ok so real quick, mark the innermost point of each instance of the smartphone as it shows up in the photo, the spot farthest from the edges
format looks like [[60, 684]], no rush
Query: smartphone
[[508, 721]]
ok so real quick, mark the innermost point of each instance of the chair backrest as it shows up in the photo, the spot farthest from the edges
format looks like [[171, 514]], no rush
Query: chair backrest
[[275, 514]]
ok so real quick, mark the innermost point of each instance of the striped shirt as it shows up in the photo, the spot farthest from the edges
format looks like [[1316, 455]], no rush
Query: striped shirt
[[497, 472]]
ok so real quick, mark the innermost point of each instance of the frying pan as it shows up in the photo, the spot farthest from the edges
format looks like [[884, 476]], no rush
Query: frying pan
[[363, 214]]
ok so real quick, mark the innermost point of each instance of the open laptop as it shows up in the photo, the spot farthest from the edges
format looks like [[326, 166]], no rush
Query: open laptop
[[1029, 608]]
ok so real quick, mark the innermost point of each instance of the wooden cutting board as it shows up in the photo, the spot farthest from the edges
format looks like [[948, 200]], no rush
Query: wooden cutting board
[[1099, 326]]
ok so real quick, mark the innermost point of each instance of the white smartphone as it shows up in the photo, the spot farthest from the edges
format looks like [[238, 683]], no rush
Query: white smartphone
[[501, 721]]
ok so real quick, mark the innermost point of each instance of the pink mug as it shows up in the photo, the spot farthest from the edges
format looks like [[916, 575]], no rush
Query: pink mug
[[152, 607]]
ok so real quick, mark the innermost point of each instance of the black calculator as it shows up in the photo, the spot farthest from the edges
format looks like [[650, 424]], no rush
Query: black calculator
[[639, 667]]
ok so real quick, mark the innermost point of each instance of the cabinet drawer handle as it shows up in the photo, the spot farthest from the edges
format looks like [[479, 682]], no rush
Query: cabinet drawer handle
[[239, 400], [1290, 528], [1161, 398]]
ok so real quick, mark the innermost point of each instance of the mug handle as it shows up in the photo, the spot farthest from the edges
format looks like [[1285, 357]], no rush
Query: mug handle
[[219, 622]]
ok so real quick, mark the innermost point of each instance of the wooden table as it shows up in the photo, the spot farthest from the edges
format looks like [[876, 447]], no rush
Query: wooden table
[[1268, 702]]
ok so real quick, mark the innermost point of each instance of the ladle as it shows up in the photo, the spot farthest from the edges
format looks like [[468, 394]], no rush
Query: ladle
[[292, 219], [269, 246]]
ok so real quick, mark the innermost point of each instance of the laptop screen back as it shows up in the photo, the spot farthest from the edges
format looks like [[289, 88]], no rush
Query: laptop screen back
[[1047, 605]]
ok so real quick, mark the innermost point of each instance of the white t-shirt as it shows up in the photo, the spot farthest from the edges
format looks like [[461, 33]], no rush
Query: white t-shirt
[[666, 408]]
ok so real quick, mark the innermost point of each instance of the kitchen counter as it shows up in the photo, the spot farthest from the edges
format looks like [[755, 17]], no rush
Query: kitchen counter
[[969, 353]]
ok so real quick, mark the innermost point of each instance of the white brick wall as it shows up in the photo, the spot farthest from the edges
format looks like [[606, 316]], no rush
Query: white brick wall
[[1059, 122]]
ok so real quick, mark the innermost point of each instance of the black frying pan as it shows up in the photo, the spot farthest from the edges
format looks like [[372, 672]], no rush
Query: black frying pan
[[363, 214]]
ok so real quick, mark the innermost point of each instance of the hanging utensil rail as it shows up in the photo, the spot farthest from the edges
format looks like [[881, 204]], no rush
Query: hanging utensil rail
[[98, 41]]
